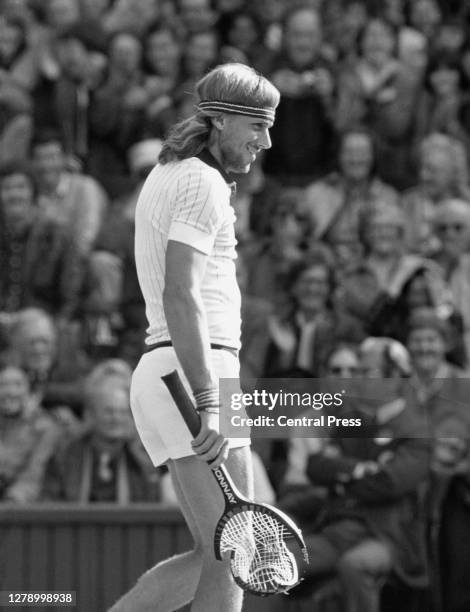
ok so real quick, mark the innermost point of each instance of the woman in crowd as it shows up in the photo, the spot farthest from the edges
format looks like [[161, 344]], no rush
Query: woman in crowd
[[339, 203], [28, 438], [302, 335], [382, 91], [442, 175]]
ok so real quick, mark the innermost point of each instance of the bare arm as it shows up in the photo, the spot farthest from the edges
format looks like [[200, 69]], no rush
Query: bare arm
[[187, 324]]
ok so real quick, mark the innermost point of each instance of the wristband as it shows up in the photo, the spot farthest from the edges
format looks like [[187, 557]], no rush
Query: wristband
[[207, 400]]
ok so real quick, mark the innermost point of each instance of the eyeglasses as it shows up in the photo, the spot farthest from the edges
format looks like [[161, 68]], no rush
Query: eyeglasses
[[342, 370], [451, 227]]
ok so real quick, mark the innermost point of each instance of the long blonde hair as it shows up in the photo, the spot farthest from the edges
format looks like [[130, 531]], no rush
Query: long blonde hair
[[232, 82]]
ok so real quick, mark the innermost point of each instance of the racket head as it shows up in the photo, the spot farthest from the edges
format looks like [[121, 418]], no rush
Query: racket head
[[266, 549]]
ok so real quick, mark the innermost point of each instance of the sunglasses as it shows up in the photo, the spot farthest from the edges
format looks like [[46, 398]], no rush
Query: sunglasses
[[344, 370], [451, 227]]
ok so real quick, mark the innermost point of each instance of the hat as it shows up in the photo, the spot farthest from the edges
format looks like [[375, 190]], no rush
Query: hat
[[144, 154]]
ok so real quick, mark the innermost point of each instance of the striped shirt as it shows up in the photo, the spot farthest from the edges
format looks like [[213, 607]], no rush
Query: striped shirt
[[189, 201]]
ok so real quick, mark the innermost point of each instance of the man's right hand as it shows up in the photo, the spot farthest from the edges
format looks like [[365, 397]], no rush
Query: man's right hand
[[209, 444]]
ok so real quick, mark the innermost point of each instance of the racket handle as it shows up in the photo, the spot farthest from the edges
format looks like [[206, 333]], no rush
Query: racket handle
[[183, 402]]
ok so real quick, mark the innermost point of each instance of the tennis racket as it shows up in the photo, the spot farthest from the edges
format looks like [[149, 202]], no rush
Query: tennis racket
[[264, 545]]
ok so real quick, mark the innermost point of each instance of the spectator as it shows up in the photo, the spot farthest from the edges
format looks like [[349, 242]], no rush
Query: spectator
[[75, 200], [451, 502], [443, 103], [271, 13], [378, 280], [62, 96], [452, 228], [117, 113], [422, 285], [40, 266], [303, 134], [338, 204], [107, 464], [200, 55], [362, 535], [382, 92], [343, 23], [52, 361], [16, 69], [343, 361], [28, 438], [195, 15], [427, 344], [442, 176], [275, 254], [302, 335], [425, 16], [242, 30], [162, 63]]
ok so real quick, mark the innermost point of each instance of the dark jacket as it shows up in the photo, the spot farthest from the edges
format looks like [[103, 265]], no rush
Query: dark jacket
[[50, 275], [69, 475], [331, 328], [390, 501]]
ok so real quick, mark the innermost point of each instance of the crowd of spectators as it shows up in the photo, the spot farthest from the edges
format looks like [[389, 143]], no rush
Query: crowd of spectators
[[353, 259]]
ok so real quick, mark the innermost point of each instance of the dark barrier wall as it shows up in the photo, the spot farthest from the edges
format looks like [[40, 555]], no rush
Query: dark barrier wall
[[98, 551]]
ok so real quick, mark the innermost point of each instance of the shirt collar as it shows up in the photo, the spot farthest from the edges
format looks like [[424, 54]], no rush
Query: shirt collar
[[206, 156]]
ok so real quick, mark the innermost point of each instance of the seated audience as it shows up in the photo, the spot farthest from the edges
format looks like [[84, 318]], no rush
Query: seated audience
[[52, 360], [371, 524], [117, 113], [28, 438], [305, 330], [269, 260], [383, 287], [74, 200], [381, 91], [419, 283], [40, 266], [107, 463], [338, 204], [303, 134], [432, 374], [442, 175], [297, 495]]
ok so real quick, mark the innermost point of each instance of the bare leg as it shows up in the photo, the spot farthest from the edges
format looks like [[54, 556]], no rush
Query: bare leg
[[174, 582], [216, 590], [151, 593]]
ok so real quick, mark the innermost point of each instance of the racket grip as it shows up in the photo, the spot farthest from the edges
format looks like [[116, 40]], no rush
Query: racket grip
[[183, 401]]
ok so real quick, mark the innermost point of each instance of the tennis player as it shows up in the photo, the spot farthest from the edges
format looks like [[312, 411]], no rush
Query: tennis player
[[185, 252]]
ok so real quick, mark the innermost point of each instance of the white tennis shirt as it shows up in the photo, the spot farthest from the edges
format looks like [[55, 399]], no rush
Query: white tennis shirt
[[189, 201]]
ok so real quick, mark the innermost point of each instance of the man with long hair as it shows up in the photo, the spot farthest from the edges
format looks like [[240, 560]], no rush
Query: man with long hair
[[185, 251]]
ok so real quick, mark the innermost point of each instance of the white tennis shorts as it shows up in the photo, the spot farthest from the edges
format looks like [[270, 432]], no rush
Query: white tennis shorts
[[161, 428]]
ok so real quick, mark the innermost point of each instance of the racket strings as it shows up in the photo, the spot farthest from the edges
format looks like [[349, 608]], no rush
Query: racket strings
[[260, 558]]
